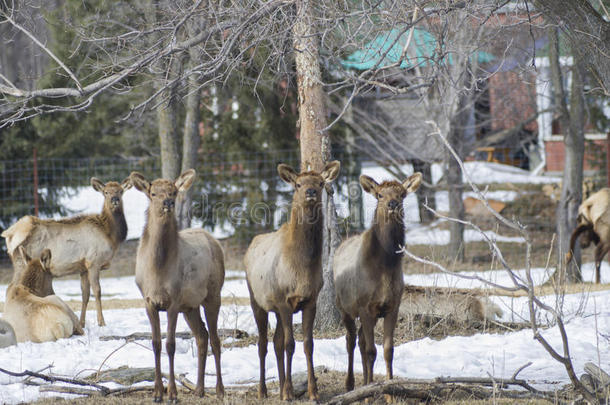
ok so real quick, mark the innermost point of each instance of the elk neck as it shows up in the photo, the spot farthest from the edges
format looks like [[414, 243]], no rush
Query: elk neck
[[160, 239], [387, 236], [114, 223], [304, 239]]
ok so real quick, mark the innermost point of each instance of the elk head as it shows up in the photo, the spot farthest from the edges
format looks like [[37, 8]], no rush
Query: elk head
[[162, 193], [112, 192], [308, 185], [37, 274], [390, 194]]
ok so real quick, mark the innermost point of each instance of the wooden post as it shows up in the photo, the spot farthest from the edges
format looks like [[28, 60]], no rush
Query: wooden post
[[35, 184]]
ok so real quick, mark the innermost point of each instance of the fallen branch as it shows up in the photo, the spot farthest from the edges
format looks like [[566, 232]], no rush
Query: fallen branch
[[53, 379], [430, 389], [222, 333]]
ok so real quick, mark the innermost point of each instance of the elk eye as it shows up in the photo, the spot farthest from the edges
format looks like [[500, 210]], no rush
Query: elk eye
[[153, 194], [379, 195], [298, 185]]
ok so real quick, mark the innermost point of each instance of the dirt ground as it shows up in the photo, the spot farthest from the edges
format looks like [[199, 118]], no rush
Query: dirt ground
[[330, 384]]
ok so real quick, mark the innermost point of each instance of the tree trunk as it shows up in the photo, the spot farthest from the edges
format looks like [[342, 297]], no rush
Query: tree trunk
[[587, 32], [315, 147], [572, 123], [166, 110], [190, 137], [456, 139], [425, 194]]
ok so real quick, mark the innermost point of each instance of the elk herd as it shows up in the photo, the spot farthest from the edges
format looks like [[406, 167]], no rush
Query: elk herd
[[179, 271]]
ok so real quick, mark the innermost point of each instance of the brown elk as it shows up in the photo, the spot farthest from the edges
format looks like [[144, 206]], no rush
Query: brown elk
[[368, 277], [284, 274], [593, 226], [34, 316], [82, 244], [178, 272]]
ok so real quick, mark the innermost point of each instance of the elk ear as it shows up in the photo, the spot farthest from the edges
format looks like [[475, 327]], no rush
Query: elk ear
[[331, 171], [45, 258], [97, 184], [24, 255], [368, 184], [185, 180], [126, 184], [287, 173], [139, 182], [412, 183]]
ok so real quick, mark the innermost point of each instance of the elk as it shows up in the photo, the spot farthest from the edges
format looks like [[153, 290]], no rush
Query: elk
[[36, 317], [284, 275], [82, 244], [178, 272], [368, 277], [593, 226]]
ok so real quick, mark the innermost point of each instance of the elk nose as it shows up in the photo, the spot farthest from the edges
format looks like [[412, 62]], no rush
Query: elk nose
[[393, 204], [168, 203], [115, 200], [310, 192]]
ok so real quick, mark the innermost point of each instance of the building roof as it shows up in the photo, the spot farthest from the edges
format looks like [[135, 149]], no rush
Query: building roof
[[386, 49]]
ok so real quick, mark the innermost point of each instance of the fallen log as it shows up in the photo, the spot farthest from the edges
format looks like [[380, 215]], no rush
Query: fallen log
[[222, 333]]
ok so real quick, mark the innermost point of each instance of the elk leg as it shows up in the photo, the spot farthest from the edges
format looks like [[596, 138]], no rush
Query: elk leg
[[600, 252], [155, 326], [170, 347], [211, 317], [350, 342], [362, 347], [309, 314], [389, 325], [94, 279], [278, 347], [193, 319], [368, 324], [286, 318], [262, 322], [84, 286]]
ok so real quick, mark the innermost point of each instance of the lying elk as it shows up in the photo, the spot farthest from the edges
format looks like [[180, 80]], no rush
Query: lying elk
[[82, 244], [284, 274], [34, 316], [593, 226], [368, 276], [178, 272]]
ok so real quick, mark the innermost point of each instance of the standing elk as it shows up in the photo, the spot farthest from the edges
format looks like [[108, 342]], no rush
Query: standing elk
[[178, 272], [284, 274], [368, 276], [34, 316], [82, 244], [593, 226]]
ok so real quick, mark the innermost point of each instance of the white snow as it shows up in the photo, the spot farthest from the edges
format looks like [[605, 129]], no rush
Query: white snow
[[588, 318], [587, 315]]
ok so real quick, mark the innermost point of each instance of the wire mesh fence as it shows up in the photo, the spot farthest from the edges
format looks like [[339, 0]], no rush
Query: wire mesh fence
[[236, 195]]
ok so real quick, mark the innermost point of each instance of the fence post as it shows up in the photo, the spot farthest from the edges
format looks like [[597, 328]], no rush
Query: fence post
[[35, 184]]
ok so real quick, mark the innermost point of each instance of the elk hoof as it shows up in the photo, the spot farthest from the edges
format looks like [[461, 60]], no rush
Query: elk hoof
[[158, 399], [172, 401]]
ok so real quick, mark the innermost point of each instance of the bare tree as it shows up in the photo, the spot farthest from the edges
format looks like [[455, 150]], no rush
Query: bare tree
[[315, 146], [572, 124], [588, 33]]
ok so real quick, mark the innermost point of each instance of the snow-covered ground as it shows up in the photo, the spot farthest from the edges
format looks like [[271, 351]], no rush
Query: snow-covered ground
[[500, 355]]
